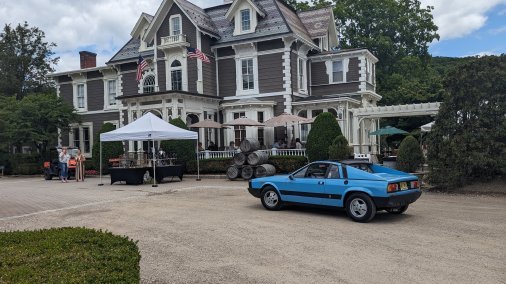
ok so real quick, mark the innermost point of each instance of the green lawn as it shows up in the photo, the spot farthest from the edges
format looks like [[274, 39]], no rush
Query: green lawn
[[67, 255]]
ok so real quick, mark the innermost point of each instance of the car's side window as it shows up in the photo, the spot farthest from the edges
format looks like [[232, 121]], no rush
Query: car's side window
[[301, 173], [317, 170], [333, 172]]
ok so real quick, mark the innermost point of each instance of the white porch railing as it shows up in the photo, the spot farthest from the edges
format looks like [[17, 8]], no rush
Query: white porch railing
[[204, 155], [175, 39]]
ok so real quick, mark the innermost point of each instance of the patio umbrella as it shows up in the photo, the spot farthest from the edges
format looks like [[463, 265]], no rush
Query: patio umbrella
[[206, 123], [243, 121], [427, 127], [388, 130], [284, 119]]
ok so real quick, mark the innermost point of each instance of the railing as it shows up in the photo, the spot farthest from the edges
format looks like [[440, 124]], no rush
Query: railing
[[204, 155], [175, 39]]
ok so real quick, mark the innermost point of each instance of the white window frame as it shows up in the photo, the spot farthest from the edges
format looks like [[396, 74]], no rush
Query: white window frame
[[146, 75], [171, 26], [329, 66], [252, 75], [85, 96], [184, 73], [239, 90], [173, 69], [81, 127], [107, 104], [302, 78], [242, 21], [253, 19]]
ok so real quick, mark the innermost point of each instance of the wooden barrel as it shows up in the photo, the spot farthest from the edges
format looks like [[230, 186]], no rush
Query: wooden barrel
[[249, 145], [247, 172], [257, 158], [233, 172], [265, 170], [239, 159]]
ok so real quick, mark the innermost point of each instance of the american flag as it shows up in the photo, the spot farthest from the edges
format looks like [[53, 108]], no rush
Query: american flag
[[141, 65], [196, 53]]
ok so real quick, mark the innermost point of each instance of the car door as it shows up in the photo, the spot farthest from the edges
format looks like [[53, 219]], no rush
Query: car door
[[335, 186], [307, 185]]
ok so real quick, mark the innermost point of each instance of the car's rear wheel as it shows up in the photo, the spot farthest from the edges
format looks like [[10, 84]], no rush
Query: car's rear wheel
[[360, 207], [397, 210], [270, 199]]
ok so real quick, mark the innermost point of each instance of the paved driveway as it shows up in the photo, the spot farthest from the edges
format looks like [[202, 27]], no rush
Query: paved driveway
[[213, 231]]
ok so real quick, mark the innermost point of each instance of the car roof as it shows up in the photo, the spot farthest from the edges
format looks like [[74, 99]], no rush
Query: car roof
[[346, 162]]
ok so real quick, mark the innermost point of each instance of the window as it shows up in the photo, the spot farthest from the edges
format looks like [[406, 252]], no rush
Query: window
[[333, 172], [175, 25], [148, 84], [111, 92], [260, 118], [247, 74], [245, 20], [304, 127], [368, 70], [176, 76], [301, 173], [301, 74], [75, 134], [80, 96], [239, 131], [86, 140], [317, 170], [337, 71]]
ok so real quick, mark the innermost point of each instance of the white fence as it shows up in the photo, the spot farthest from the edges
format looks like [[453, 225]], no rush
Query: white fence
[[204, 155]]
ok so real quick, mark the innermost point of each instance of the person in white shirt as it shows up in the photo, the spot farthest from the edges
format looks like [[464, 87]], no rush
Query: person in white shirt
[[64, 168], [298, 145]]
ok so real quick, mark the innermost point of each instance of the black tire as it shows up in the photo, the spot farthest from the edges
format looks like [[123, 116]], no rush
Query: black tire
[[270, 199], [397, 210], [360, 207], [48, 176]]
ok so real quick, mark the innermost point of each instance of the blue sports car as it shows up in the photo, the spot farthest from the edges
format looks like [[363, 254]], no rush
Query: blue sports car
[[360, 187]]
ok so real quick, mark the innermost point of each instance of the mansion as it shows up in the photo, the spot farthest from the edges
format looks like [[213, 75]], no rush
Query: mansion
[[265, 59]]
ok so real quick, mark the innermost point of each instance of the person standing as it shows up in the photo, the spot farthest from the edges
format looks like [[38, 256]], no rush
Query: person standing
[[80, 158], [64, 167], [298, 145]]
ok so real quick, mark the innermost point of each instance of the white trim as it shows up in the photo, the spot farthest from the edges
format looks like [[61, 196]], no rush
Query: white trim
[[343, 54], [171, 30], [240, 97], [330, 70], [200, 84], [232, 9], [184, 71], [343, 99], [76, 85], [98, 111], [81, 137]]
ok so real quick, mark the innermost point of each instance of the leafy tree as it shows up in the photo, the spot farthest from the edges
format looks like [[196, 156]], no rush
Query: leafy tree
[[339, 150], [112, 149], [25, 59], [184, 149], [410, 155], [35, 120], [468, 140], [325, 128]]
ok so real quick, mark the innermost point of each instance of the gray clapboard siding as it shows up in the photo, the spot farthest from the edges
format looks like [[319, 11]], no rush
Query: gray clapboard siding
[[353, 70], [67, 93], [270, 44], [209, 77], [226, 72], [162, 75], [335, 89], [95, 95], [270, 73], [319, 73], [129, 84], [226, 51]]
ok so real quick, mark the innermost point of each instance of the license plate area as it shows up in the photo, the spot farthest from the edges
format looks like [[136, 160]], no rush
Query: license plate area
[[404, 185]]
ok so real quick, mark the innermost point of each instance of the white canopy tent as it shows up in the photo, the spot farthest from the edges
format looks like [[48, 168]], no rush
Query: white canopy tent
[[427, 127], [149, 127]]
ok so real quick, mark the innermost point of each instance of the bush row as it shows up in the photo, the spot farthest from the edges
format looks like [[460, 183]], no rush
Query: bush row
[[21, 164], [283, 164]]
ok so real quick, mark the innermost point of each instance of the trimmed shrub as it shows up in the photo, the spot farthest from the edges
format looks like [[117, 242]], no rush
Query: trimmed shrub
[[287, 164], [410, 155], [184, 149], [339, 150], [109, 149], [325, 128], [22, 164], [68, 255]]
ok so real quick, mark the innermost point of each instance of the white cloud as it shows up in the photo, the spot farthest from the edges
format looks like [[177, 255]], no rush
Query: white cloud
[[100, 25], [459, 18]]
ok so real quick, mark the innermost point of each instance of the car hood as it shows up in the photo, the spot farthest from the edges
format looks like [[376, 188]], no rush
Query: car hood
[[395, 178]]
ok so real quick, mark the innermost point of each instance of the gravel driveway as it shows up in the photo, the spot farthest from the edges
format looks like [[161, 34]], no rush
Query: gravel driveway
[[214, 231]]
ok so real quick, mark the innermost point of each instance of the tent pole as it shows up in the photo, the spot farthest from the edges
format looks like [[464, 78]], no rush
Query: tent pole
[[154, 163], [198, 162], [100, 184]]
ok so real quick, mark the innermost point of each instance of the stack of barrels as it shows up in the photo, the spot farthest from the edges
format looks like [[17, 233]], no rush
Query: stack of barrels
[[250, 162]]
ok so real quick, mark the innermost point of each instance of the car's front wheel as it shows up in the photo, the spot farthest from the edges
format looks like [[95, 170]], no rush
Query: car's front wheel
[[360, 207], [398, 210], [270, 199]]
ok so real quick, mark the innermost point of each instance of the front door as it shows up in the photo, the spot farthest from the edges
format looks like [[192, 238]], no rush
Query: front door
[[307, 185]]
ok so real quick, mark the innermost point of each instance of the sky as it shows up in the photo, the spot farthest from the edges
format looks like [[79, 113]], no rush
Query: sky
[[466, 27]]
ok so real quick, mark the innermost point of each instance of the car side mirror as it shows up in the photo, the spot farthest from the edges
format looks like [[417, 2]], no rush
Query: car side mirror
[[291, 177]]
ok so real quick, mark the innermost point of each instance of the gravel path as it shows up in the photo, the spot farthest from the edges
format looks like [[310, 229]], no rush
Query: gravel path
[[214, 231]]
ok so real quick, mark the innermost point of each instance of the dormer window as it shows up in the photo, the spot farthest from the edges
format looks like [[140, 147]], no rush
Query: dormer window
[[245, 20], [175, 25], [337, 71]]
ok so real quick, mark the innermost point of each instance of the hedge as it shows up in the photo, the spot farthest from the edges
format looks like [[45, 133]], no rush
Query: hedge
[[21, 164], [68, 255], [109, 149], [410, 155], [283, 164], [324, 130]]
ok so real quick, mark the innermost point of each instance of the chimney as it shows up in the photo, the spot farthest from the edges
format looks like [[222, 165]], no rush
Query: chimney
[[88, 59]]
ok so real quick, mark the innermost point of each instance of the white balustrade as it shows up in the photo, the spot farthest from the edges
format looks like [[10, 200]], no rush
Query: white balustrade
[[204, 155], [175, 39]]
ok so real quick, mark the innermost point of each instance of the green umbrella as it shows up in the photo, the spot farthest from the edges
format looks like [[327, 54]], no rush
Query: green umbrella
[[388, 130]]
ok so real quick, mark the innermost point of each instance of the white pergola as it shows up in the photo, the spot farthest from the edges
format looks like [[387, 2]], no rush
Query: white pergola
[[374, 113]]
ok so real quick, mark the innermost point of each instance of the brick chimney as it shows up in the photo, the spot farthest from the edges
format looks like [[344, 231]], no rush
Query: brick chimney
[[88, 59]]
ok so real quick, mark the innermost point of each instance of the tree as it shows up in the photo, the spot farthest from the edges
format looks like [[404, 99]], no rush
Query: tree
[[25, 59], [35, 120], [468, 140], [184, 149], [410, 155], [325, 128], [339, 150], [112, 149]]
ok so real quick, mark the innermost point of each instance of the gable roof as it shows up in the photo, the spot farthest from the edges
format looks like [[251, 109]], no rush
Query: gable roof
[[144, 18], [231, 10], [316, 21], [294, 23], [130, 52]]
